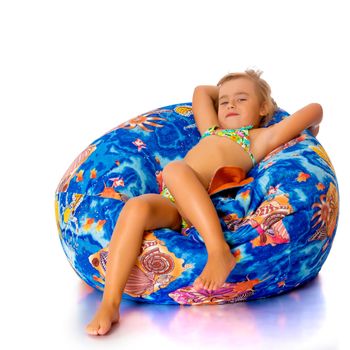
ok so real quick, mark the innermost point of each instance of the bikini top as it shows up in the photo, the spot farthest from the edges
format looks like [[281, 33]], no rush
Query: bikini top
[[239, 135]]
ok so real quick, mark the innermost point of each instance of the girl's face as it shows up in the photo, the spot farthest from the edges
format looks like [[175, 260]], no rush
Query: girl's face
[[239, 105]]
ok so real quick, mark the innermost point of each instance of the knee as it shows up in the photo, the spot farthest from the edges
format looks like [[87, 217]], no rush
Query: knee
[[138, 207], [174, 169]]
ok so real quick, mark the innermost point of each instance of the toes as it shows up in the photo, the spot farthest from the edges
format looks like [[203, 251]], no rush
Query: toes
[[216, 286], [104, 328], [207, 285], [92, 329], [98, 328], [212, 286], [198, 284]]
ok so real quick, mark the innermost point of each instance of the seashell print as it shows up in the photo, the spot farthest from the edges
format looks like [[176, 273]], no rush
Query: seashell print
[[139, 283], [157, 262], [326, 215]]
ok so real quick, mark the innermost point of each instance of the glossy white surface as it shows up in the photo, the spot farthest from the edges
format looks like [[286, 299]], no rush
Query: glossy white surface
[[72, 70], [56, 315]]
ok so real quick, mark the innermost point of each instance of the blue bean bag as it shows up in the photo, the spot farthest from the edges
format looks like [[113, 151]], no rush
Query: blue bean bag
[[280, 226]]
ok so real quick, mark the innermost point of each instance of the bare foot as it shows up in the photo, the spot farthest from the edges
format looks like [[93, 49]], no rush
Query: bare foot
[[106, 315], [219, 265]]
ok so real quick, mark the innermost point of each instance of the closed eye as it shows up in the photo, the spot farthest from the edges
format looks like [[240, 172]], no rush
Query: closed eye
[[239, 99]]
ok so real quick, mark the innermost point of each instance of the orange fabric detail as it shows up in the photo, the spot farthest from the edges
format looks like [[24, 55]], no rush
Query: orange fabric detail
[[228, 177]]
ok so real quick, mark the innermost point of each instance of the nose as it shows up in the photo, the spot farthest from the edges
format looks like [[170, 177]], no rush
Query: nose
[[231, 104]]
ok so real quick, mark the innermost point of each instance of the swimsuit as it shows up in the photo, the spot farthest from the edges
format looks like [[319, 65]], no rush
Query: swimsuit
[[239, 135], [227, 176], [224, 178], [166, 193]]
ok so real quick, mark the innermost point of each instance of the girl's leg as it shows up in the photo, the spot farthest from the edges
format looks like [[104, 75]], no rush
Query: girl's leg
[[145, 212], [194, 203]]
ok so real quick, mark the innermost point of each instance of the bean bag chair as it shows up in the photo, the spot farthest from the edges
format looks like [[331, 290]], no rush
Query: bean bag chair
[[280, 226]]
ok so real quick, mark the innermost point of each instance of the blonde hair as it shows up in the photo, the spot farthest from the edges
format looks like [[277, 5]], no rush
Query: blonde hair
[[262, 88]]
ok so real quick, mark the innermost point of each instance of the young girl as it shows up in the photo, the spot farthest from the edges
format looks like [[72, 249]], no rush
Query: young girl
[[228, 117]]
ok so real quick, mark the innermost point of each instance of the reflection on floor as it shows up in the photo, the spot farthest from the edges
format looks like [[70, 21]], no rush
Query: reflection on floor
[[296, 320]]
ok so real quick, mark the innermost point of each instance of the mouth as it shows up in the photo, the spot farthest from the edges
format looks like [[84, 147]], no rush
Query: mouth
[[231, 115]]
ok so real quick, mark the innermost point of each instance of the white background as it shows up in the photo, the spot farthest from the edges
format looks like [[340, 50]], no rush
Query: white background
[[72, 70]]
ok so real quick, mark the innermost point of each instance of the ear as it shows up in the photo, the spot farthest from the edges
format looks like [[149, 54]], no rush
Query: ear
[[263, 109]]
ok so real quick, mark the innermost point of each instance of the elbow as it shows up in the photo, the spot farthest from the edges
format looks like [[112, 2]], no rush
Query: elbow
[[318, 112], [197, 90], [195, 96], [318, 106]]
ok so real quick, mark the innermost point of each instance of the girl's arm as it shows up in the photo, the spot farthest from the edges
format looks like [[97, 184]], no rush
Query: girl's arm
[[204, 106], [308, 117]]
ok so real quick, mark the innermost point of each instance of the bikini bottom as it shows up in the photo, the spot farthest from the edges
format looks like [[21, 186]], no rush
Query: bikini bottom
[[224, 178]]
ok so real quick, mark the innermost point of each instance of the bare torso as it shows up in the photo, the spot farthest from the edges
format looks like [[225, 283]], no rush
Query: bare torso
[[213, 152]]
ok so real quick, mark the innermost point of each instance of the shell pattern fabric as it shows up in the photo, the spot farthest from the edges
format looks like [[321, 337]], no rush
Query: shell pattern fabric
[[280, 227]]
